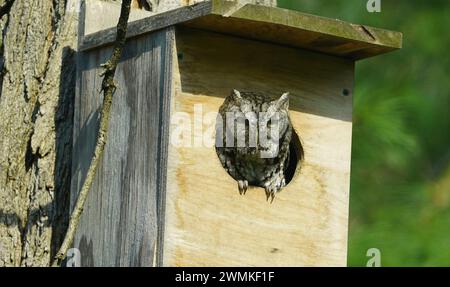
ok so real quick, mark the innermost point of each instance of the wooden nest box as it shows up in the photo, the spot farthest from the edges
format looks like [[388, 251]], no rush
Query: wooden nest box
[[158, 203]]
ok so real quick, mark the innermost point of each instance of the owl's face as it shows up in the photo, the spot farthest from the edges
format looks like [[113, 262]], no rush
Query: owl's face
[[260, 122]]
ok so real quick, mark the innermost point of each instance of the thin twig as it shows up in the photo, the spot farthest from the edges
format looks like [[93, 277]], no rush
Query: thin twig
[[108, 88]]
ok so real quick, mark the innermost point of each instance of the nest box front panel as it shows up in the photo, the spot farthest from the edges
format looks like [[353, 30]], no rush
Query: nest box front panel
[[207, 221]]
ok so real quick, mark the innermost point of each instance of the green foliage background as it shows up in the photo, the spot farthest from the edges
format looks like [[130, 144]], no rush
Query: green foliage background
[[400, 182]]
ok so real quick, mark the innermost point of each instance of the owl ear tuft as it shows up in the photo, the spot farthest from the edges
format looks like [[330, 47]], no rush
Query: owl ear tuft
[[237, 94], [283, 102]]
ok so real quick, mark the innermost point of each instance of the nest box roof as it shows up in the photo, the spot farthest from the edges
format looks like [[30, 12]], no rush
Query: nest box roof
[[270, 24]]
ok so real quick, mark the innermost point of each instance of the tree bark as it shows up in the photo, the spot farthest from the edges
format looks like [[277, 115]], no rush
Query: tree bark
[[36, 100]]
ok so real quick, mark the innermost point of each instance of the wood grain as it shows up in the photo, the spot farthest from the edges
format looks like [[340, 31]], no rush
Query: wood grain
[[119, 226], [207, 222], [271, 24]]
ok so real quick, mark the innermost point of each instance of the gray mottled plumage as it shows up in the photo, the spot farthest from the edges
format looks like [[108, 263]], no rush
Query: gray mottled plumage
[[259, 162]]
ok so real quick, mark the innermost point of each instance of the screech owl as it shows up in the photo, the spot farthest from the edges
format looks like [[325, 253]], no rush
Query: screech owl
[[253, 135]]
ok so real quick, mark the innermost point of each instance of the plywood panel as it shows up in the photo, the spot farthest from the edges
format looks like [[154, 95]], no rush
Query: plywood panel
[[122, 219], [207, 222]]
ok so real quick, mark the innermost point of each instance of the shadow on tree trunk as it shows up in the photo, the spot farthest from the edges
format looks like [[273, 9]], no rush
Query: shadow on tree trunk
[[63, 146]]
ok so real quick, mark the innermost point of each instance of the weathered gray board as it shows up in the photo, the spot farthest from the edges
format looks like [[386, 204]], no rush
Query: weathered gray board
[[119, 226]]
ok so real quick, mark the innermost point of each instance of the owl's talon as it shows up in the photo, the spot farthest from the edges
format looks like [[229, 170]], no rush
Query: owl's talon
[[270, 194], [245, 187], [241, 187]]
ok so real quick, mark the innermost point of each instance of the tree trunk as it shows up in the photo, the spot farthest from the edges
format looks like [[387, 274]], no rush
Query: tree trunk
[[36, 100]]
